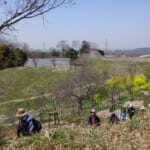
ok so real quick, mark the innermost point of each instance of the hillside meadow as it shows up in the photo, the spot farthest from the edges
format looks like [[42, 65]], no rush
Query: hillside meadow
[[19, 83], [22, 83], [25, 82], [129, 135]]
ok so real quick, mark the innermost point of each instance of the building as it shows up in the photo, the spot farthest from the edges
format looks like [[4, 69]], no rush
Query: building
[[88, 55], [119, 53], [39, 62]]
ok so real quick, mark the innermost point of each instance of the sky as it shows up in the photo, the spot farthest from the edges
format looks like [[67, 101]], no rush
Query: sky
[[124, 24]]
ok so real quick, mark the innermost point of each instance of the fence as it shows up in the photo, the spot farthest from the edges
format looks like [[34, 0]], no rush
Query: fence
[[48, 62]]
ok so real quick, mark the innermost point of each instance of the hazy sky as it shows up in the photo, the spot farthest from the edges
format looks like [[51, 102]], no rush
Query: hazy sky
[[124, 23]]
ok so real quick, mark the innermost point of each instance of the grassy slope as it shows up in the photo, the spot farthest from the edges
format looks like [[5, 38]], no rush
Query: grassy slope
[[79, 137], [114, 67], [27, 82], [129, 135]]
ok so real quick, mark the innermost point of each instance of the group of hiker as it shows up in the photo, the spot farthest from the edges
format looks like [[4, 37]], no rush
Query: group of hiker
[[94, 120], [28, 125]]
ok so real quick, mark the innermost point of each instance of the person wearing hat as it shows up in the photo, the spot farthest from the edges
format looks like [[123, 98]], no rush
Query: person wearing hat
[[26, 124], [93, 119], [131, 111], [123, 114], [142, 110], [149, 107]]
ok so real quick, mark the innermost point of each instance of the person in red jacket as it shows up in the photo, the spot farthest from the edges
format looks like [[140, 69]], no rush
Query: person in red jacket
[[94, 120], [142, 109]]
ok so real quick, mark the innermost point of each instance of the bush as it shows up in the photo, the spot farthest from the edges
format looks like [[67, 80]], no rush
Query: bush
[[11, 57]]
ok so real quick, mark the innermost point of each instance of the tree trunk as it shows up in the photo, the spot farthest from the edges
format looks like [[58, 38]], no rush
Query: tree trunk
[[80, 106], [72, 105], [40, 115]]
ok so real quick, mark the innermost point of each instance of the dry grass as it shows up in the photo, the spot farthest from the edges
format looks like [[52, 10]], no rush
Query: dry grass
[[129, 135]]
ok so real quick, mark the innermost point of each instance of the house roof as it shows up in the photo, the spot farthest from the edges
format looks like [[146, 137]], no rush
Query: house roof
[[87, 56]]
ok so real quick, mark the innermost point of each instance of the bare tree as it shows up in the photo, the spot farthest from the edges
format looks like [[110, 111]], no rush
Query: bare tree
[[16, 10], [76, 45], [94, 45], [64, 95], [35, 55], [80, 88], [52, 59], [25, 47], [63, 46]]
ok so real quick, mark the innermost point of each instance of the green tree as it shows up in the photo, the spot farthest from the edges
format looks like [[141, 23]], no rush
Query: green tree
[[71, 53], [139, 82], [10, 57], [98, 99], [85, 45], [6, 56], [55, 53], [19, 57], [101, 52]]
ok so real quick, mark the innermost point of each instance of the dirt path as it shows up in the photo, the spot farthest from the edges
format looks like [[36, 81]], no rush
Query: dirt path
[[146, 93], [25, 99], [129, 59], [106, 113]]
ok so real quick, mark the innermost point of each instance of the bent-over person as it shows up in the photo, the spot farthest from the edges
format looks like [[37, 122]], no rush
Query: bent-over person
[[26, 123]]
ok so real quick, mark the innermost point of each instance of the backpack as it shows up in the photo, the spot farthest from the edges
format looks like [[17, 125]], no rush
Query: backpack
[[37, 125]]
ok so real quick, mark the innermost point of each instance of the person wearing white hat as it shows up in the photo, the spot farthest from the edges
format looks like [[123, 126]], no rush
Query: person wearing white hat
[[142, 109], [26, 123], [94, 120], [131, 111]]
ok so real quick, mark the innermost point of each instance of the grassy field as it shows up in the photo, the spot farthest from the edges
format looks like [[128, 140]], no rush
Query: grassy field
[[119, 67], [22, 83], [26, 82], [129, 135], [19, 83]]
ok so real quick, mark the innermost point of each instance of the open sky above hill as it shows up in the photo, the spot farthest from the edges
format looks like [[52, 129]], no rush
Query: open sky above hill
[[124, 23]]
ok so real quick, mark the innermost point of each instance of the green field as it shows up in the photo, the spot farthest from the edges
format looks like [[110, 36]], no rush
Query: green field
[[22, 83], [19, 83], [27, 82]]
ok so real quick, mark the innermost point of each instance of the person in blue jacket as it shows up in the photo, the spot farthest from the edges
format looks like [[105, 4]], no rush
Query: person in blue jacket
[[123, 114], [113, 118], [26, 123]]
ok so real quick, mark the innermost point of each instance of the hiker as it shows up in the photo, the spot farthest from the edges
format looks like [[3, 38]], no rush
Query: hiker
[[123, 114], [93, 119], [142, 109], [131, 111], [113, 118], [149, 107], [27, 124]]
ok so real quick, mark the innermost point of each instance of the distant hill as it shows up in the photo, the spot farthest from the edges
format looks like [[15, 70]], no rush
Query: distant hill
[[137, 51]]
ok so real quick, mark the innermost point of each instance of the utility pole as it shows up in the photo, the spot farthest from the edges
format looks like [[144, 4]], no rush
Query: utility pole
[[106, 47]]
